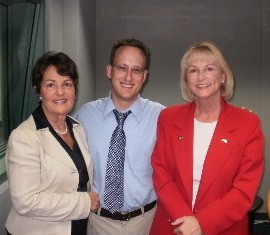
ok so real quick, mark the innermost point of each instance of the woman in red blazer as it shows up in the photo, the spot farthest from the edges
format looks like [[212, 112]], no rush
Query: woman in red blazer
[[209, 156]]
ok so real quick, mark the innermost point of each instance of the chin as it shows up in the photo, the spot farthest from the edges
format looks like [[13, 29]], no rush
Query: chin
[[63, 111]]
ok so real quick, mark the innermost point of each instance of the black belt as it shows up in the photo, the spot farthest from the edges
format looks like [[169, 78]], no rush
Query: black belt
[[124, 216]]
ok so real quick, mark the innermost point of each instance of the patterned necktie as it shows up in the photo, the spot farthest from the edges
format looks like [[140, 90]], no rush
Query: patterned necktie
[[114, 179]]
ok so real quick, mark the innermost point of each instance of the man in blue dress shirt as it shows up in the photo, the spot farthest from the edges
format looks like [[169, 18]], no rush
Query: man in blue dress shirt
[[127, 72]]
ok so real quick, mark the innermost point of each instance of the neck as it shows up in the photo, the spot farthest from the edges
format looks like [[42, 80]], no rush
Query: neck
[[58, 123], [62, 132], [122, 104], [207, 111]]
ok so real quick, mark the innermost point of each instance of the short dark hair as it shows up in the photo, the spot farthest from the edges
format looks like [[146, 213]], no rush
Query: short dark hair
[[64, 65], [131, 43]]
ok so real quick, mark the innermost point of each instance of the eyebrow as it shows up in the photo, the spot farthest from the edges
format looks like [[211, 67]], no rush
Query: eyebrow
[[212, 64], [54, 80]]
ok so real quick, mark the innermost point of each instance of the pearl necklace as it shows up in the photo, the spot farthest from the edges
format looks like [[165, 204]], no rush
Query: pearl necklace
[[62, 133]]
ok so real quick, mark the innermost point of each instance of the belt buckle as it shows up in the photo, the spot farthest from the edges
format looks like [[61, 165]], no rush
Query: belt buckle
[[126, 215]]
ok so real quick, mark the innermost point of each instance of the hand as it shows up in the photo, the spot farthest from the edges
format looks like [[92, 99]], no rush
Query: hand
[[247, 109], [187, 225], [94, 201]]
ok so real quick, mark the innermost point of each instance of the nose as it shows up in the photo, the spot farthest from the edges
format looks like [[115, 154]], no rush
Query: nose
[[129, 74], [200, 75], [59, 90]]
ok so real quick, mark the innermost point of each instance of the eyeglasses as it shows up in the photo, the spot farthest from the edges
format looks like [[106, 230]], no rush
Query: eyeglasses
[[124, 68]]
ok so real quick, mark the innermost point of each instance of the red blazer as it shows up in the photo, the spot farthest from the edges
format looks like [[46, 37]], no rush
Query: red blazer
[[231, 174]]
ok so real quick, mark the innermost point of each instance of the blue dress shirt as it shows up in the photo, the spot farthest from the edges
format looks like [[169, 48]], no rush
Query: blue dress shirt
[[99, 121]]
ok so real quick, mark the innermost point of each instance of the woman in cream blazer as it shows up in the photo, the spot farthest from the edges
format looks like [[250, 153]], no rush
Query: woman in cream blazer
[[48, 162]]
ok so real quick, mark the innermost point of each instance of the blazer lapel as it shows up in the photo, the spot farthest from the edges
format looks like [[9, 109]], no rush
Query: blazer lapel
[[182, 144], [52, 147], [219, 150], [81, 140]]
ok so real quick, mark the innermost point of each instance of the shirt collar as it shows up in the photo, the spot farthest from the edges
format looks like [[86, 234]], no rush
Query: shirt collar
[[136, 108]]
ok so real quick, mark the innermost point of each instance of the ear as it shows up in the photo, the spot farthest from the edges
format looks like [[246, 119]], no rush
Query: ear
[[145, 75], [223, 78], [109, 71]]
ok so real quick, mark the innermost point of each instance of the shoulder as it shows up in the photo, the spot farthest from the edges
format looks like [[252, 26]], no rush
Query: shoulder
[[243, 114], [149, 104], [90, 109], [96, 104], [26, 126], [180, 113], [26, 131], [175, 109]]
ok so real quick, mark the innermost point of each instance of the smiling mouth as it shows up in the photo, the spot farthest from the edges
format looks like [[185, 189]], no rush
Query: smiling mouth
[[125, 85], [60, 101], [202, 85]]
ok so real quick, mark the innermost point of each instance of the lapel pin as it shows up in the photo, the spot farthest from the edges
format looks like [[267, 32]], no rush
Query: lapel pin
[[224, 141], [180, 138]]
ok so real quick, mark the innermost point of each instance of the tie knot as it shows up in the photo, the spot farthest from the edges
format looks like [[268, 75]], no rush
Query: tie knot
[[121, 117]]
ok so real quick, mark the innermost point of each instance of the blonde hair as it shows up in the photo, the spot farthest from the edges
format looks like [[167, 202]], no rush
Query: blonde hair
[[205, 48]]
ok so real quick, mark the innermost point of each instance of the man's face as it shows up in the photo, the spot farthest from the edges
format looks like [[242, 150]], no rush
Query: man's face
[[127, 75]]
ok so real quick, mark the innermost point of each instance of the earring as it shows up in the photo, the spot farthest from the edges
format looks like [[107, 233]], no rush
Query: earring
[[40, 98], [222, 86]]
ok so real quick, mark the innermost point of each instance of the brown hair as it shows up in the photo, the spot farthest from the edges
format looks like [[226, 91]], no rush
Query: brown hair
[[132, 43], [64, 65]]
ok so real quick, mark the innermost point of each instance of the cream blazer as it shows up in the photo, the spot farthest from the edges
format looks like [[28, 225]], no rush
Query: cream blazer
[[43, 181]]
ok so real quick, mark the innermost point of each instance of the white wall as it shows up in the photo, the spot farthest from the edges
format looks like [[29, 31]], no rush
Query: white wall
[[70, 28]]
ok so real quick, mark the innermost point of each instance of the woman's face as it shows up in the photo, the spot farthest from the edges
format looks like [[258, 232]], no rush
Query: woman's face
[[204, 76], [57, 93]]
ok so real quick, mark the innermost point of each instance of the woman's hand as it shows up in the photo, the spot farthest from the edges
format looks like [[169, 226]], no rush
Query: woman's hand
[[187, 225], [94, 201]]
